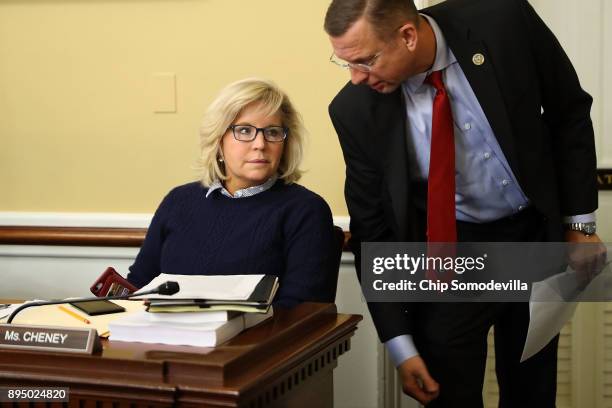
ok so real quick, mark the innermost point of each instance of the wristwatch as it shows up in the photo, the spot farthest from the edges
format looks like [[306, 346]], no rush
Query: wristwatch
[[587, 228]]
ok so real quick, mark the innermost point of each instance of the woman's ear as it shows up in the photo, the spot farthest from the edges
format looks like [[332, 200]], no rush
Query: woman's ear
[[220, 152]]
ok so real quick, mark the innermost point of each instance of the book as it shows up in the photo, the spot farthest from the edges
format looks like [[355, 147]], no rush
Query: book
[[138, 327], [193, 316], [253, 319]]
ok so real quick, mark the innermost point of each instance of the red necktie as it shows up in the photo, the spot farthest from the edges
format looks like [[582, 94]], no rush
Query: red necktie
[[441, 223]]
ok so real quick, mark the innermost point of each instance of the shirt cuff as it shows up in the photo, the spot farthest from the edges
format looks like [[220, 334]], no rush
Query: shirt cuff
[[590, 217], [401, 348]]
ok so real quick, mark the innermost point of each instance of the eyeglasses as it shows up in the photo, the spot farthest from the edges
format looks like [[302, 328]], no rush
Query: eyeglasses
[[248, 133], [362, 67]]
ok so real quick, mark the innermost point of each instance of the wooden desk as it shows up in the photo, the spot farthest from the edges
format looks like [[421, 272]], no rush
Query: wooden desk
[[284, 362]]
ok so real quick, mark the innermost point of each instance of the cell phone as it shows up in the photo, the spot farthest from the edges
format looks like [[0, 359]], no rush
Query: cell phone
[[98, 307]]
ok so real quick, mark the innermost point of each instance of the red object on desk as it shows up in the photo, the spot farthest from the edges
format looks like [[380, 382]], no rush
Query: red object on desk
[[110, 283]]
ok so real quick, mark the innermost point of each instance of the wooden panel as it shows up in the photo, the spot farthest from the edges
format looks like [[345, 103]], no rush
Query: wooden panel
[[289, 356], [75, 236], [606, 366], [564, 371], [80, 236]]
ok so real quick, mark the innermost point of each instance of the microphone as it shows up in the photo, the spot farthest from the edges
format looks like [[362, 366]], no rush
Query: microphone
[[166, 288]]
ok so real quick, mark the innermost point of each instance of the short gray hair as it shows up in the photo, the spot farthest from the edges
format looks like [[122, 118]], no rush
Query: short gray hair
[[228, 105]]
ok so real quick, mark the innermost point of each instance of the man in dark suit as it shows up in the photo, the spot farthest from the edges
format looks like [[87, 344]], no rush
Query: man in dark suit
[[522, 168]]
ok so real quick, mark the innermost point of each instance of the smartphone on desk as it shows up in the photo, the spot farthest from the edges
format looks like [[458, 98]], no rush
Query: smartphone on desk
[[98, 307]]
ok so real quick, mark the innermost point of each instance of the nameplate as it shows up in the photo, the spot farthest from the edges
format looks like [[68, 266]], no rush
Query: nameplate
[[49, 338]]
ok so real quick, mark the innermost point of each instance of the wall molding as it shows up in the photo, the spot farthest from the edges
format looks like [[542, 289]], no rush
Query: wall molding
[[96, 220], [61, 219], [72, 236], [84, 229]]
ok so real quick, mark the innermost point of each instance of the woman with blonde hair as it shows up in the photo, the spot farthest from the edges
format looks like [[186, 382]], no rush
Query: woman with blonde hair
[[246, 215]]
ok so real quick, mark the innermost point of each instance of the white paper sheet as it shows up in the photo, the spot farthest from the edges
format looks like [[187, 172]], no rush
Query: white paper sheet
[[562, 295], [229, 287], [52, 315], [545, 322], [5, 312]]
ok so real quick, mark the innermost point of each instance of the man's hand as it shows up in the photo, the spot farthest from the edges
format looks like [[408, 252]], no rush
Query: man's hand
[[587, 256], [416, 380]]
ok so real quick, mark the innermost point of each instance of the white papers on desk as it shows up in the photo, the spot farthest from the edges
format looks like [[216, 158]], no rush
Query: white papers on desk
[[52, 315], [5, 312], [228, 287], [139, 327]]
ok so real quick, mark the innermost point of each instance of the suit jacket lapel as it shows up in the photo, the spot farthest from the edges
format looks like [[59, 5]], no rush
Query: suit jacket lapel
[[465, 44]]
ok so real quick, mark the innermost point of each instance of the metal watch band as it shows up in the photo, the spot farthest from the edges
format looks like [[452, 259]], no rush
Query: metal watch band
[[587, 228]]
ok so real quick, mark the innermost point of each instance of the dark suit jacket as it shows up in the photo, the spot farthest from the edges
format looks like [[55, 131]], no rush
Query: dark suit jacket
[[532, 98]]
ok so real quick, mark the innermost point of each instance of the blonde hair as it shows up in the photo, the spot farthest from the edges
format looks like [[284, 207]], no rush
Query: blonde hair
[[228, 105]]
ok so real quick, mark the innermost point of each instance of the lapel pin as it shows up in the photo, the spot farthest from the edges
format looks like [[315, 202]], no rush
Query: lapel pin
[[478, 59]]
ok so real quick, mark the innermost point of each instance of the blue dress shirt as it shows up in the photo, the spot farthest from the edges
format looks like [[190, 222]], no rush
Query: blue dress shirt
[[485, 186], [242, 193]]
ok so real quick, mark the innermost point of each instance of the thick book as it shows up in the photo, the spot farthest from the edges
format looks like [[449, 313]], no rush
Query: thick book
[[138, 327], [197, 316]]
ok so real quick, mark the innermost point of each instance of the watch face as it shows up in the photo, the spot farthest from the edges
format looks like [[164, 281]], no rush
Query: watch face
[[589, 229]]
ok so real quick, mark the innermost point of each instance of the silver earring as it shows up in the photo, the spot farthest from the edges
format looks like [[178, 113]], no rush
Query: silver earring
[[220, 159]]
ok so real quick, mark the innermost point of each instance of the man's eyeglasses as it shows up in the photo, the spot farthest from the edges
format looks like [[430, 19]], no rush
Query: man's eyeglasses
[[362, 67], [248, 133]]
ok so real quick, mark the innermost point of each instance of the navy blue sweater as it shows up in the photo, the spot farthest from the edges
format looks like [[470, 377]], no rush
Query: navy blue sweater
[[285, 231]]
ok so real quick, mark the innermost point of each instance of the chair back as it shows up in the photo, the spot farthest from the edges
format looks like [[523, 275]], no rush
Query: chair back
[[339, 242]]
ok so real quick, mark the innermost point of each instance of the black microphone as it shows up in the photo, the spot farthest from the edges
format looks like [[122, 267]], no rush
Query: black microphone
[[166, 288]]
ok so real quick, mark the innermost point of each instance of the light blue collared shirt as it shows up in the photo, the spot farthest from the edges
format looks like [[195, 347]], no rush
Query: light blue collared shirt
[[245, 192], [485, 186]]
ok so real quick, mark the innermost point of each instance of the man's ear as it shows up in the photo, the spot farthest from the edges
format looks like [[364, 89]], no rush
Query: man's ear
[[409, 35]]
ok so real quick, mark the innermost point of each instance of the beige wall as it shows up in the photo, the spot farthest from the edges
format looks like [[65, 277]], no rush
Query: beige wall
[[77, 127]]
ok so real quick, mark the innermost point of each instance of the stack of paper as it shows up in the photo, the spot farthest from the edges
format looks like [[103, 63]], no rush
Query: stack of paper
[[207, 310], [6, 310], [53, 315], [190, 329], [243, 293]]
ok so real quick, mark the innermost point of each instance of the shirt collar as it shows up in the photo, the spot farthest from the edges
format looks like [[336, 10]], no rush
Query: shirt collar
[[245, 192], [443, 59]]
